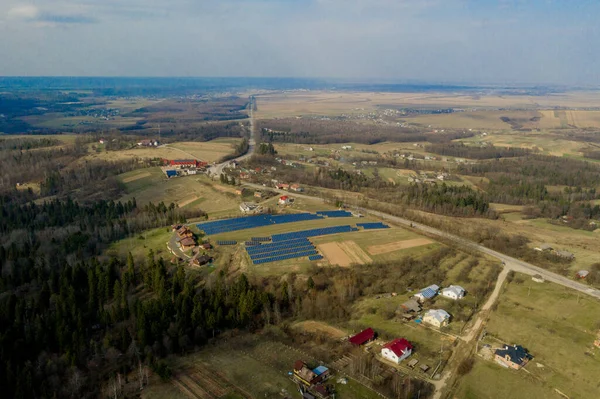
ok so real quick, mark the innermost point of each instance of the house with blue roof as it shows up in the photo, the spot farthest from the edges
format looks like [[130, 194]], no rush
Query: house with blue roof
[[427, 293]]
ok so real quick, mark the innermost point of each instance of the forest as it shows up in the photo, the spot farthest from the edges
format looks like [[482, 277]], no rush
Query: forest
[[475, 152]]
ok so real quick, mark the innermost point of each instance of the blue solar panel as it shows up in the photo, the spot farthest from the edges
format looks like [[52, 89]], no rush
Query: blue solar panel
[[368, 226], [226, 242], [311, 233], [335, 214], [249, 222], [315, 257]]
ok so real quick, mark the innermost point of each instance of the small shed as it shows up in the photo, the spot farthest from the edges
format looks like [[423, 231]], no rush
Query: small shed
[[424, 368], [413, 363], [582, 274]]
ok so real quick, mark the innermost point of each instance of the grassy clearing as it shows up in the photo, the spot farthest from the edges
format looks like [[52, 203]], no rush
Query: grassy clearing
[[64, 138], [558, 326], [209, 151], [193, 191], [489, 381], [139, 245]]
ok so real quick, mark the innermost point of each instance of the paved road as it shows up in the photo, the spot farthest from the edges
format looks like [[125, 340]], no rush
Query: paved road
[[216, 170], [510, 263]]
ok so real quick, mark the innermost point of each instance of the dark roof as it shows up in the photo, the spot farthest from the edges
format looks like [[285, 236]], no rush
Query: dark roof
[[362, 337], [188, 241], [308, 395], [298, 365], [516, 353]]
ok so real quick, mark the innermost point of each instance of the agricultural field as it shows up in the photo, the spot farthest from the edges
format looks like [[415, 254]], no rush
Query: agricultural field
[[193, 192], [330, 103], [209, 151], [541, 141], [250, 367], [65, 138], [558, 327]]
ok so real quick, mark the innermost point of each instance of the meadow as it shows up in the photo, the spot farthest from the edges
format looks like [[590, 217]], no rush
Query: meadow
[[558, 327]]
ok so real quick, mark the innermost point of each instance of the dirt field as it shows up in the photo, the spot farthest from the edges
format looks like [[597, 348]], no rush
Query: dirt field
[[187, 201], [328, 103], [313, 326], [344, 253], [135, 177], [398, 245]]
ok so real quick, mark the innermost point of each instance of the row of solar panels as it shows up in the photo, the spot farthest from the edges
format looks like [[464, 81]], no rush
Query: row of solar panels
[[277, 245], [312, 233], [285, 257], [248, 222], [335, 214], [315, 257], [286, 251], [226, 242], [377, 225], [261, 239]]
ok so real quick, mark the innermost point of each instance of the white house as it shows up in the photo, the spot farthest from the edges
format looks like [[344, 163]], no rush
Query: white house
[[397, 350], [453, 292], [346, 147], [436, 317], [427, 293]]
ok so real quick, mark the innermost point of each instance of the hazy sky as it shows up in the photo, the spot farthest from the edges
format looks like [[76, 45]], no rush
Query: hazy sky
[[479, 41]]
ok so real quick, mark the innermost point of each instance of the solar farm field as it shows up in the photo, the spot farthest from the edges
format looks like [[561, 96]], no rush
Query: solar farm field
[[302, 240]]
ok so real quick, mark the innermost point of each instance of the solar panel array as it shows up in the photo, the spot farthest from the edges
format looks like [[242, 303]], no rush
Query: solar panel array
[[335, 214], [249, 222], [227, 242], [251, 243], [274, 252], [261, 239], [311, 233], [369, 226], [315, 257]]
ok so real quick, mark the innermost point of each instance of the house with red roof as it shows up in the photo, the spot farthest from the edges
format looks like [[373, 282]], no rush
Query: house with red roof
[[397, 350], [362, 337], [284, 200]]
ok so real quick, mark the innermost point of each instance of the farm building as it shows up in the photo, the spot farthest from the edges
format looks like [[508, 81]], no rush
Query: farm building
[[514, 356], [453, 292], [247, 207], [427, 293], [282, 186], [171, 173], [187, 243], [397, 350], [284, 200], [362, 337], [544, 247], [582, 274], [184, 231], [206, 245], [296, 187], [239, 191], [201, 260], [436, 317], [303, 374], [411, 306]]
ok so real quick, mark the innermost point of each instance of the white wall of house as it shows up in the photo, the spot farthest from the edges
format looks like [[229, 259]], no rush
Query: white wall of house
[[391, 356]]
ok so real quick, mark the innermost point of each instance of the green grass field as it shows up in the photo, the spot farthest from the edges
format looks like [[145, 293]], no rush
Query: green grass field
[[558, 326], [139, 245], [189, 191]]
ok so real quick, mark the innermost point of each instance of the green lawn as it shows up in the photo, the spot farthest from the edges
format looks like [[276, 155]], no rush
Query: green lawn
[[489, 381], [139, 245], [558, 326]]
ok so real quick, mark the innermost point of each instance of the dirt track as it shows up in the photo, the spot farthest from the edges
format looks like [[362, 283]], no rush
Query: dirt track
[[135, 177], [398, 245]]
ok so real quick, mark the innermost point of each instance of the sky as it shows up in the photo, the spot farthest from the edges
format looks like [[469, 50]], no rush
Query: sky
[[442, 41]]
